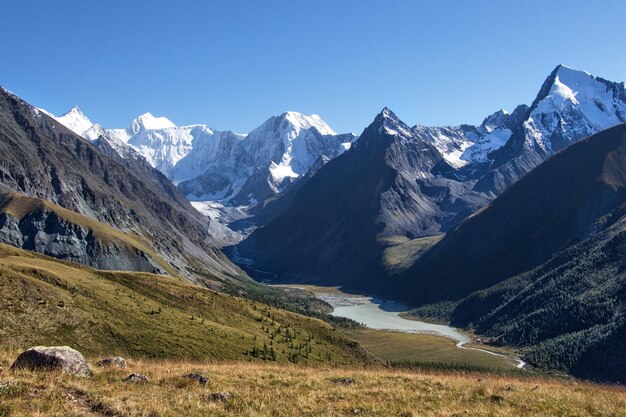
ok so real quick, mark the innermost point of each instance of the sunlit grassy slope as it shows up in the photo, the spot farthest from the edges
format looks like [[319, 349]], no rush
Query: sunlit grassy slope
[[288, 390], [421, 349], [49, 302]]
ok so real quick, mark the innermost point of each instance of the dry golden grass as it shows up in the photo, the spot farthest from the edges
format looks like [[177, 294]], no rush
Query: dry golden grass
[[289, 390]]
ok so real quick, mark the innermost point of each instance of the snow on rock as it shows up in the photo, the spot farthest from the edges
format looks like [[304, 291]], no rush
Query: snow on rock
[[220, 164], [450, 141], [148, 122], [574, 104], [289, 144], [74, 120]]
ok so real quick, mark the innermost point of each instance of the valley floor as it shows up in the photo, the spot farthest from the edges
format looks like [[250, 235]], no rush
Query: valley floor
[[289, 390]]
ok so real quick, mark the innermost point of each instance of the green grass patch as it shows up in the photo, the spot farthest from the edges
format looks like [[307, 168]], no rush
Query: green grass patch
[[412, 348], [49, 302]]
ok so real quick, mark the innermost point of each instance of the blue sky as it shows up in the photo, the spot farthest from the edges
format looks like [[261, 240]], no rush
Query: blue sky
[[232, 64]]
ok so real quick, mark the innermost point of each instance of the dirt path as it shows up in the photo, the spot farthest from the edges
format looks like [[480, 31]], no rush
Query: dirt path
[[520, 363]]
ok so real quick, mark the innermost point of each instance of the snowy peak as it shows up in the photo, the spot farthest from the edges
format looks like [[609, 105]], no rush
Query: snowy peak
[[149, 122], [573, 104], [291, 123], [286, 146], [496, 120], [75, 120], [387, 122], [302, 122]]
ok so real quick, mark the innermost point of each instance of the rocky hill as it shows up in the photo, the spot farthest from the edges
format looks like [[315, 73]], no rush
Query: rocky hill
[[46, 166]]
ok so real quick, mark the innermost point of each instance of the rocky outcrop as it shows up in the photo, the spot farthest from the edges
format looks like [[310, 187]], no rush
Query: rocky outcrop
[[200, 378], [114, 362], [52, 358], [44, 231], [136, 378]]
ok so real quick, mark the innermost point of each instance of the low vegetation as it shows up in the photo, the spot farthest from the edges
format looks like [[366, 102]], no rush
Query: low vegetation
[[402, 252], [421, 350], [46, 301], [256, 390]]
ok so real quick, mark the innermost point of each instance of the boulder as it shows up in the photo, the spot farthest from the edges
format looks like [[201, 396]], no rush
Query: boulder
[[344, 381], [114, 362], [136, 378], [50, 358], [202, 379], [219, 396]]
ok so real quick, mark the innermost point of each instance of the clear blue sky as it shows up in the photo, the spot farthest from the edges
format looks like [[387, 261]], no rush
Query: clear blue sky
[[232, 64]]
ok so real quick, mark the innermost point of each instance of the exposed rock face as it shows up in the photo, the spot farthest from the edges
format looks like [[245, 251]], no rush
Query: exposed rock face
[[114, 362], [43, 159], [383, 186], [45, 232], [570, 106], [398, 181], [61, 358], [566, 200]]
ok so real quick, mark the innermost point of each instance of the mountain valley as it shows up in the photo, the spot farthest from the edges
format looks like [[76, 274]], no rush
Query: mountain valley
[[490, 228]]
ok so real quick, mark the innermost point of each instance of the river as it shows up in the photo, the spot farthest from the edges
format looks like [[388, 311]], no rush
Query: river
[[381, 314]]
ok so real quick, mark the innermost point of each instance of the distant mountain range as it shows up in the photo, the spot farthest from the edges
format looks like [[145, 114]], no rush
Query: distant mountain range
[[242, 169], [77, 200]]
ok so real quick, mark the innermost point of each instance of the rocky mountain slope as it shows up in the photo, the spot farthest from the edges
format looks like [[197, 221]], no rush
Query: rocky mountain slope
[[46, 166], [373, 191], [566, 200], [571, 105], [542, 266], [426, 181]]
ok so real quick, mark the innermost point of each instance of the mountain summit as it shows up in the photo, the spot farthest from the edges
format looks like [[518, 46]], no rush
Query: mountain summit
[[148, 122], [400, 183]]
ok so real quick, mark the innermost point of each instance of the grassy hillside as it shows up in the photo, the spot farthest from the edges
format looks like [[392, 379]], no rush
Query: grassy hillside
[[43, 159], [259, 390], [402, 252], [46, 301]]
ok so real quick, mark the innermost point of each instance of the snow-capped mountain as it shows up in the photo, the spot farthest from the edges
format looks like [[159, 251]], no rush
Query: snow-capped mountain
[[573, 104], [467, 145], [217, 165], [74, 120], [570, 106], [161, 142], [244, 170], [268, 161], [399, 182]]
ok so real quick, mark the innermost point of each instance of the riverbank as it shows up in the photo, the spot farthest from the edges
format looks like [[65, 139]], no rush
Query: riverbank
[[392, 337]]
